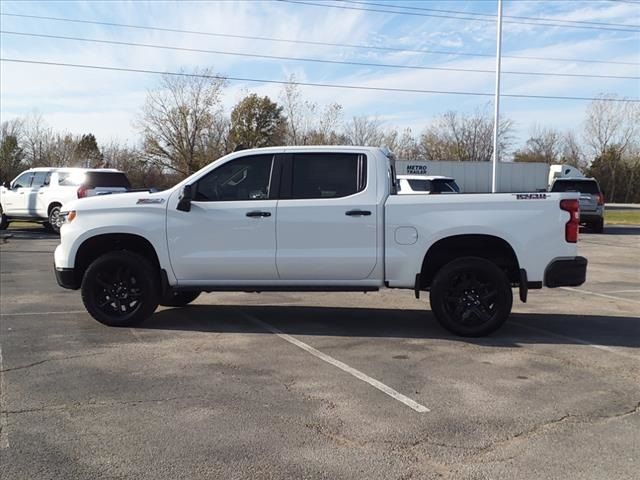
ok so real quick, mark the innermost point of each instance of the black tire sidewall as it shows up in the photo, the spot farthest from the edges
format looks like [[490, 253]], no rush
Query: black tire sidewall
[[497, 277], [145, 274], [179, 299]]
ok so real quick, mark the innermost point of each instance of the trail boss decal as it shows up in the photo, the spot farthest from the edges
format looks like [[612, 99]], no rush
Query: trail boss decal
[[531, 196]]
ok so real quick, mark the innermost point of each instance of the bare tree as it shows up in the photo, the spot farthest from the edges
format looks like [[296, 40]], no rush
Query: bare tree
[[177, 119], [38, 138], [307, 123], [544, 145], [402, 143], [611, 124], [461, 137], [572, 151], [364, 131]]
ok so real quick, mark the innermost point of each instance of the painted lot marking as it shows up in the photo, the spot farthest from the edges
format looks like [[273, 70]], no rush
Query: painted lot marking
[[580, 341], [587, 292], [4, 435], [341, 365], [40, 313]]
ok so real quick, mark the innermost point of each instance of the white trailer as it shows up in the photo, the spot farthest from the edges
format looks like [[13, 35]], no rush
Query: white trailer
[[475, 177]]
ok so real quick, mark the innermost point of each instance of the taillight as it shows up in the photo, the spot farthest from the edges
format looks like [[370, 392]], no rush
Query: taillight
[[573, 225], [601, 199], [82, 191]]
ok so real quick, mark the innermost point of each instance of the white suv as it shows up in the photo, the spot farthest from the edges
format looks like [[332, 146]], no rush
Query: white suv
[[37, 194], [426, 184]]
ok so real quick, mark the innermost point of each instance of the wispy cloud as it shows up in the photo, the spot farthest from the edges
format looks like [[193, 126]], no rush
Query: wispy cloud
[[106, 102]]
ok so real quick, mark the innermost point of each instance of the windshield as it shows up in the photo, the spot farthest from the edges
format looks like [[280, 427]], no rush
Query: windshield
[[582, 186]]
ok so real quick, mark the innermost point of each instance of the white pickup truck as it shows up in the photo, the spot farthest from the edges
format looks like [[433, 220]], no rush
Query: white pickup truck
[[316, 219]]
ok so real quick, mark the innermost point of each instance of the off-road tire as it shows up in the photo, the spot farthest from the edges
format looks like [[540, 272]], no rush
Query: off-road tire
[[471, 297], [114, 283]]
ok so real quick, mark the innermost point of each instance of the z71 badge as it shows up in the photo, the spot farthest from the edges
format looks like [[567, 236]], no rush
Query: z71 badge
[[531, 196]]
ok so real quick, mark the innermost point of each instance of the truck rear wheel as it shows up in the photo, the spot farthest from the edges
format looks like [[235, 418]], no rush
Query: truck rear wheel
[[471, 297], [178, 299], [120, 289]]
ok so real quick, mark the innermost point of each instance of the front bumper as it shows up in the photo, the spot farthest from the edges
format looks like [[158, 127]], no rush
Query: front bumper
[[566, 272], [66, 278]]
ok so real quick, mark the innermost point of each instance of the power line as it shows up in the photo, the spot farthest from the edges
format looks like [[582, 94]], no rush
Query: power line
[[309, 84], [491, 15], [308, 42], [417, 14], [314, 60]]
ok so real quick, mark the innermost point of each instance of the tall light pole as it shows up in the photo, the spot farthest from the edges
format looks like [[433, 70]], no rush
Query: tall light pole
[[496, 102]]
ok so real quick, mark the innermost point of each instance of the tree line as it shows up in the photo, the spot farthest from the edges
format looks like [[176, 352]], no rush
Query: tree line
[[183, 127]]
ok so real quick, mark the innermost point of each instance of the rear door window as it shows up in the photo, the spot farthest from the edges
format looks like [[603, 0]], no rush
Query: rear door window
[[40, 179], [328, 175], [582, 186]]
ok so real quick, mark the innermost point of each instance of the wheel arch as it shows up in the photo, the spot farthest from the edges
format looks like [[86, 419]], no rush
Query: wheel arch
[[489, 247], [52, 205], [94, 247]]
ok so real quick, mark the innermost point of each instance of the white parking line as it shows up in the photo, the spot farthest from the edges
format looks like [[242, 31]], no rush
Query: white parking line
[[341, 365], [4, 435], [40, 313], [625, 291], [587, 292], [579, 341]]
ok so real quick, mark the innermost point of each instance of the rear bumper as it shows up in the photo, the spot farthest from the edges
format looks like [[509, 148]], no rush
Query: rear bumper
[[566, 272], [66, 278], [587, 216]]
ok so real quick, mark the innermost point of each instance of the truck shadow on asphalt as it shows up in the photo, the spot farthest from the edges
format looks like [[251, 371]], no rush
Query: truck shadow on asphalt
[[13, 234], [521, 328], [621, 230]]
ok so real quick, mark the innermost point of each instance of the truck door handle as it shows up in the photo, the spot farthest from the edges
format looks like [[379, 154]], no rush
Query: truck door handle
[[257, 213], [358, 213]]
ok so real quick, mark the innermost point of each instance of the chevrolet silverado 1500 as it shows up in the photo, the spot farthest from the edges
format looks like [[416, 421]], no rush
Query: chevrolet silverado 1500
[[316, 219]]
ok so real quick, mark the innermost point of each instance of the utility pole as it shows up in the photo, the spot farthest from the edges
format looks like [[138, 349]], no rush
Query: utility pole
[[496, 102]]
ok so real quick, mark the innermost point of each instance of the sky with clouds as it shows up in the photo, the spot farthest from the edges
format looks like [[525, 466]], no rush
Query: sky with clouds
[[106, 103]]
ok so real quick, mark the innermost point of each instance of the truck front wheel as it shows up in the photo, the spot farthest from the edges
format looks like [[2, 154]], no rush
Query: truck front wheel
[[471, 297], [120, 289]]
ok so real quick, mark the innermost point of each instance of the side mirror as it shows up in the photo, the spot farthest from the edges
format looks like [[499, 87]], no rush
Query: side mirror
[[184, 201], [7, 185]]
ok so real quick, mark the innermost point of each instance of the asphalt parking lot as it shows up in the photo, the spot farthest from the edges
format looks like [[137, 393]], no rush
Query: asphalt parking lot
[[321, 385]]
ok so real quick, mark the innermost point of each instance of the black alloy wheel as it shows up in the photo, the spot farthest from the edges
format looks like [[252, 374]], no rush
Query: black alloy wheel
[[471, 297], [120, 289]]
